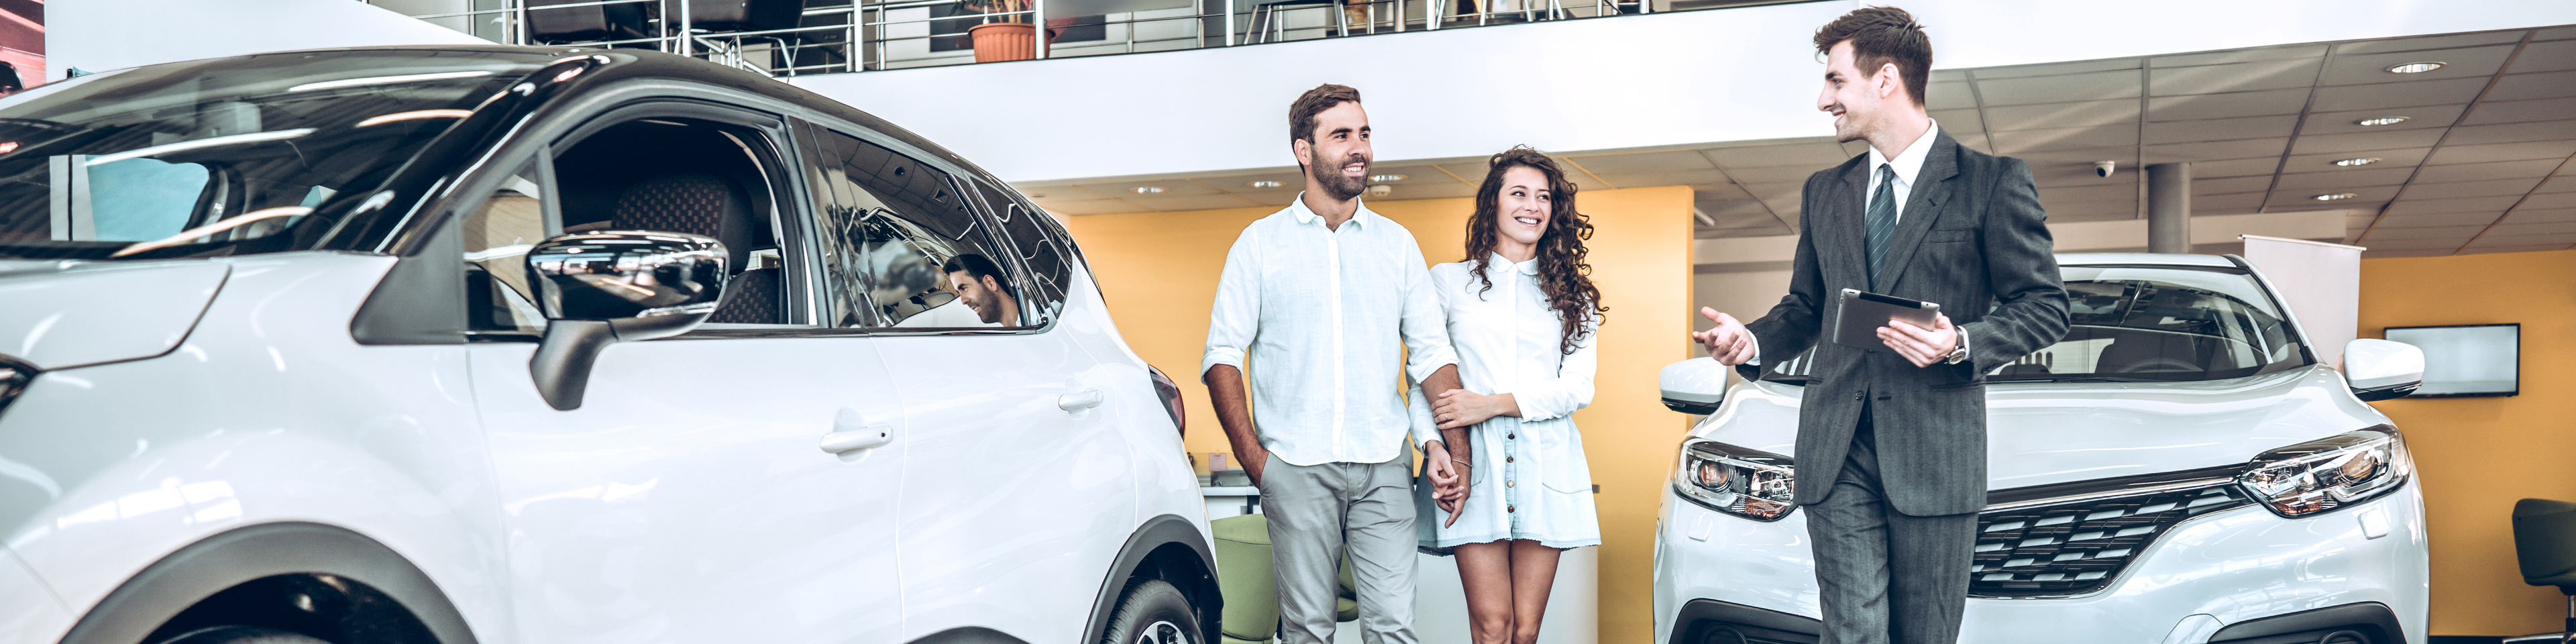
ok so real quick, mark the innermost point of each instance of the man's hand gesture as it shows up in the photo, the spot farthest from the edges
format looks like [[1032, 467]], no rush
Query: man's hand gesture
[[1730, 343]]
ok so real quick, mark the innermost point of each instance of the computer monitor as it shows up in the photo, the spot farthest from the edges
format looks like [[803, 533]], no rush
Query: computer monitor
[[2470, 360]]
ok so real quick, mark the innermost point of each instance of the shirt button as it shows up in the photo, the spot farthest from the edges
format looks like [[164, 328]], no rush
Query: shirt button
[[1510, 436], [1510, 509], [1507, 459], [1857, 395], [1507, 483]]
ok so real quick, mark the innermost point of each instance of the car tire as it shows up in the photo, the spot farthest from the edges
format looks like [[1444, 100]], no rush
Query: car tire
[[1152, 611], [243, 635]]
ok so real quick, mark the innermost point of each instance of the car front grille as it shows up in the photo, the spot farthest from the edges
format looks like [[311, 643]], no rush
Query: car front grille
[[2082, 545]]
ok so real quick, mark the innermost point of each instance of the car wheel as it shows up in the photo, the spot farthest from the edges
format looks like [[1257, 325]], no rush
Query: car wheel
[[243, 635], [1152, 611]]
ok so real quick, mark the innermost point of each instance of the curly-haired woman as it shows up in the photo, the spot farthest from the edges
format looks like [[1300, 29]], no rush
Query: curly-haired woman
[[1522, 314]]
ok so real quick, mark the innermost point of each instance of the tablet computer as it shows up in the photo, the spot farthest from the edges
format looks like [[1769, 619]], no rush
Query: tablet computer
[[1858, 317]]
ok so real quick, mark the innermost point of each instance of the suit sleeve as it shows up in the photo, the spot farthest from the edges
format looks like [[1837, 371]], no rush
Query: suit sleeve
[[1791, 326], [2021, 270]]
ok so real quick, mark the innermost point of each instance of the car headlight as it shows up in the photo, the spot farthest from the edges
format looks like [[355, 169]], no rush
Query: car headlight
[[2328, 473], [1749, 483]]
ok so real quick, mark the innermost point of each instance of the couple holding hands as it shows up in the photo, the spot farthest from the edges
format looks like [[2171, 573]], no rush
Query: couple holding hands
[[1330, 308]]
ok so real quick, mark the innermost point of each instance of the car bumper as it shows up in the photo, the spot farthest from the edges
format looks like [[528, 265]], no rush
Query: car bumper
[[2215, 570]]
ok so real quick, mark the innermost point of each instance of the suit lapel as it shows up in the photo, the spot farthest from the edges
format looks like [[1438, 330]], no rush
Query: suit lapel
[[1922, 208], [1848, 222]]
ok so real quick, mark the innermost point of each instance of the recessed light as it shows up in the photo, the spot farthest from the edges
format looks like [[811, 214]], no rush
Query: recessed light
[[2384, 120], [1148, 190], [2354, 162], [1386, 177], [2415, 68], [2340, 196], [1263, 184]]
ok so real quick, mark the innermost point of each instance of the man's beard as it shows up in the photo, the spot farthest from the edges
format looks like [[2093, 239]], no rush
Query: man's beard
[[1342, 188], [984, 309]]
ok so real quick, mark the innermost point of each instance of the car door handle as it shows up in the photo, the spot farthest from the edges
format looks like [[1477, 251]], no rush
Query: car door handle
[[1080, 399], [853, 431]]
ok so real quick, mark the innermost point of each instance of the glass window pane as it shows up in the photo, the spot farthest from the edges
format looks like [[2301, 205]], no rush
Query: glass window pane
[[901, 247], [497, 237]]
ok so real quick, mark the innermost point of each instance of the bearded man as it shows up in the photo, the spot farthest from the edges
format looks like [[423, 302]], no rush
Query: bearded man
[[1328, 299]]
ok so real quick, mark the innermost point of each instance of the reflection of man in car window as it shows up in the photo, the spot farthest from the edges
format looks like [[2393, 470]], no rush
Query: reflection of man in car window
[[981, 284]]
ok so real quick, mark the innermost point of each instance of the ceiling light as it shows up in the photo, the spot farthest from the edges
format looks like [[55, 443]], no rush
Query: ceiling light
[[1148, 190], [2340, 196], [2354, 162], [1386, 177], [2415, 68], [2384, 120], [1263, 184]]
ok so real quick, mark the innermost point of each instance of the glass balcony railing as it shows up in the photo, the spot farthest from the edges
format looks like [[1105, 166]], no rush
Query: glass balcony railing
[[793, 37]]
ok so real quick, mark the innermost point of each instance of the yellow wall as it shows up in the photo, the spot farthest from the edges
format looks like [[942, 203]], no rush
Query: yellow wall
[[2476, 456], [1159, 271]]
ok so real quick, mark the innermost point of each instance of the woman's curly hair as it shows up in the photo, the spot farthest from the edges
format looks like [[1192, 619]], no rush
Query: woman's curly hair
[[1562, 274]]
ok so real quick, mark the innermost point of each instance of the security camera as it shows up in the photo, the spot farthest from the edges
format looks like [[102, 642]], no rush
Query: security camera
[[2104, 168]]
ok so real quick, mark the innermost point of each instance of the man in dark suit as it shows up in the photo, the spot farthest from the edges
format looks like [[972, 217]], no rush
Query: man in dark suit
[[1892, 439]]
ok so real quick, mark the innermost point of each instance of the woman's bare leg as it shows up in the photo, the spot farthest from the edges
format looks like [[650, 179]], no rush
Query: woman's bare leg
[[1533, 575], [1485, 569]]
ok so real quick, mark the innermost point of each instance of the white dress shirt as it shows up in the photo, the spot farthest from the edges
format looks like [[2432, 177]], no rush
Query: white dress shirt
[[1907, 164], [1332, 322], [1529, 479]]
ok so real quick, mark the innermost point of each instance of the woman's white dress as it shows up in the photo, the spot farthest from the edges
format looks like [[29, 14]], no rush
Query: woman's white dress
[[1529, 480]]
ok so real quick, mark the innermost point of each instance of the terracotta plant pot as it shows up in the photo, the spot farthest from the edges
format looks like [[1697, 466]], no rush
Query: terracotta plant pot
[[998, 41]]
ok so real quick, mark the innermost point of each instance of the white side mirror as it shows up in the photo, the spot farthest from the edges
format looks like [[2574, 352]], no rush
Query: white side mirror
[[2381, 369], [1694, 386]]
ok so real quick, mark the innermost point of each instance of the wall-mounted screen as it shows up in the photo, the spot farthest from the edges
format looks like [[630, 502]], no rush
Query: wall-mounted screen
[[2479, 360]]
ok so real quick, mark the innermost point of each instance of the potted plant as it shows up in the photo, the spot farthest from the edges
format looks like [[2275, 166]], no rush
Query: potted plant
[[1009, 36]]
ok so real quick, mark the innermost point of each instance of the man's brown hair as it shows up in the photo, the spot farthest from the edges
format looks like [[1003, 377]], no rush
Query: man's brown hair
[[1301, 114], [1882, 35]]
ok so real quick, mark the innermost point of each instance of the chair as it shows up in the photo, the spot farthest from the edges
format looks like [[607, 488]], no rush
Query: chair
[[2544, 542], [1243, 577], [1267, 13]]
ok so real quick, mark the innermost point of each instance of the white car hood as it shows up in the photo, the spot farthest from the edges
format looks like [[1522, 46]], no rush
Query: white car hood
[[2038, 434], [58, 314]]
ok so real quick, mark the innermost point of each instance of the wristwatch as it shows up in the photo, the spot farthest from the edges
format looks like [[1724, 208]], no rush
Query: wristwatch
[[1959, 354]]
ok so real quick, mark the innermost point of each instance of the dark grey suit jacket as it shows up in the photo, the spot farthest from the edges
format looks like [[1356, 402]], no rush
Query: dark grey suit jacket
[[1971, 234]]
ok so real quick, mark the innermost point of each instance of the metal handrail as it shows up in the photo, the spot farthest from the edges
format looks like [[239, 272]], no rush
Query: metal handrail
[[868, 38]]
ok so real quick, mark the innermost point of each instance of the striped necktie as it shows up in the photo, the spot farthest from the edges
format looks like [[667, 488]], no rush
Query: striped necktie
[[1882, 221]]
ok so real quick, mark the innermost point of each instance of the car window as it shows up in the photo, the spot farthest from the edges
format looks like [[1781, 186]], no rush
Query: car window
[[1039, 243], [497, 236], [901, 247], [2162, 324], [695, 176], [221, 156]]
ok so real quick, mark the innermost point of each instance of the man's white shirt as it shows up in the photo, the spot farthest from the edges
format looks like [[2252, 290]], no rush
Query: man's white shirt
[[1320, 315]]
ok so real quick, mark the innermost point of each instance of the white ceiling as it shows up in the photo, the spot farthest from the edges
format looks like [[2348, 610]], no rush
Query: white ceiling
[[2482, 163]]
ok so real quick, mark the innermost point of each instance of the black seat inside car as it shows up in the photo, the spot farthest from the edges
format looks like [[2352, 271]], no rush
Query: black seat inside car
[[666, 176], [702, 203]]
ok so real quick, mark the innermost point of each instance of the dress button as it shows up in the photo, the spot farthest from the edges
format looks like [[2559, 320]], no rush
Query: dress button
[[1510, 509], [1511, 436], [1507, 459], [1507, 483]]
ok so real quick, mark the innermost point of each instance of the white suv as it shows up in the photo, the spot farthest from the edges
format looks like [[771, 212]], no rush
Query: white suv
[[350, 346], [2179, 469]]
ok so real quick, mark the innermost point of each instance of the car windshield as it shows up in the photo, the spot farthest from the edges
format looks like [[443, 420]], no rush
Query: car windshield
[[221, 156], [2152, 324]]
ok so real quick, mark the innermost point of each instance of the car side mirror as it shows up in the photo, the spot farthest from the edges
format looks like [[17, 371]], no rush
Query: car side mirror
[[2381, 369], [1693, 386], [611, 286]]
